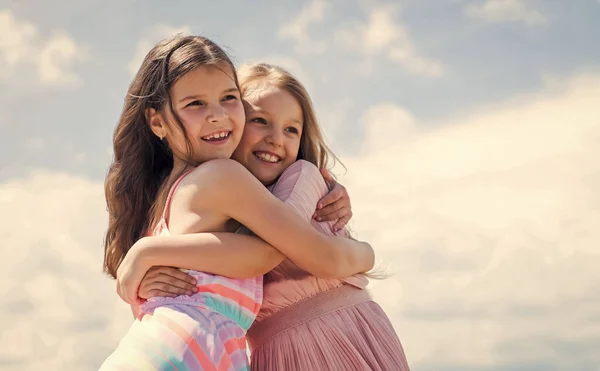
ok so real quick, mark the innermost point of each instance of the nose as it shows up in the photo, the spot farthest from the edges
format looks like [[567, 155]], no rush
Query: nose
[[217, 113], [275, 137]]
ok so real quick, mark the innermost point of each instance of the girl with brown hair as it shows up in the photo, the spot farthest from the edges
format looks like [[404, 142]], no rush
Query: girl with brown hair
[[171, 175], [306, 322]]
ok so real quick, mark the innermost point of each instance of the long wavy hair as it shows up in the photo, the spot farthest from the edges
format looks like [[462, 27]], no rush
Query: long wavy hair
[[136, 185], [312, 143]]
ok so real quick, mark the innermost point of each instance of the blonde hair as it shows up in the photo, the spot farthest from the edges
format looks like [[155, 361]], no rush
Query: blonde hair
[[312, 144]]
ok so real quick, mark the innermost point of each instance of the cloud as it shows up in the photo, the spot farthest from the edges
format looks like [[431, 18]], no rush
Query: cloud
[[152, 36], [59, 312], [381, 35], [505, 11], [297, 28], [53, 58], [489, 221]]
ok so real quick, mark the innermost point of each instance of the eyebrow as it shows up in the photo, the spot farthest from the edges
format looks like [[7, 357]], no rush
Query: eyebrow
[[263, 112], [230, 90]]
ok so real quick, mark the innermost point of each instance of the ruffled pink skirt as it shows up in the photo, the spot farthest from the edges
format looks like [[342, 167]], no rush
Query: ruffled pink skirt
[[337, 330]]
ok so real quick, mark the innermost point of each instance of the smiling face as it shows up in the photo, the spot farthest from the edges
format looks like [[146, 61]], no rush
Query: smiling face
[[271, 139], [207, 103]]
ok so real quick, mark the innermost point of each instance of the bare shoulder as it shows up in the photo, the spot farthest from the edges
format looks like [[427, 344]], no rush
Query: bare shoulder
[[216, 171], [219, 166], [219, 177]]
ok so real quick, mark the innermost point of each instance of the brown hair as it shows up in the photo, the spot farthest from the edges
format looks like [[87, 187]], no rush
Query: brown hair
[[138, 179], [312, 144]]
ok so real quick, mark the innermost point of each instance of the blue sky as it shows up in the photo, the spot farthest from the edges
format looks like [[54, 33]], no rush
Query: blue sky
[[480, 61], [469, 129]]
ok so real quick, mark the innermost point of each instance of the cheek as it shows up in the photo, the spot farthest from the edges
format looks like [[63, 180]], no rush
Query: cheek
[[252, 135], [293, 148], [238, 115], [192, 122], [244, 147]]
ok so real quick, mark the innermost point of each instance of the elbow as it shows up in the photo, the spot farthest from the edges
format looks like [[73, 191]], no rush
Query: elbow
[[342, 264], [369, 262]]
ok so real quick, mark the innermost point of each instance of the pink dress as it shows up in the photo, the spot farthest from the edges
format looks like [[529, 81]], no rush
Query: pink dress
[[307, 323]]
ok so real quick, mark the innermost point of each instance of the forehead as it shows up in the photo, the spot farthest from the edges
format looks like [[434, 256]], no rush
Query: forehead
[[273, 100], [205, 79]]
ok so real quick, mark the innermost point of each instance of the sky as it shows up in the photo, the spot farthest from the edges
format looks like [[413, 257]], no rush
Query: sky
[[470, 130]]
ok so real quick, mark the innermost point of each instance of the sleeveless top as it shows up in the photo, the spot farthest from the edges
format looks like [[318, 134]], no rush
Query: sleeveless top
[[237, 299]]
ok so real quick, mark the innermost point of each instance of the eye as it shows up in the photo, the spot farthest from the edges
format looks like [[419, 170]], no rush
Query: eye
[[194, 103], [229, 97], [292, 130], [259, 120]]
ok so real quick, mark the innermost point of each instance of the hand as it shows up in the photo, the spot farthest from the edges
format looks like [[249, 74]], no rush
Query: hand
[[334, 206], [166, 281], [131, 272]]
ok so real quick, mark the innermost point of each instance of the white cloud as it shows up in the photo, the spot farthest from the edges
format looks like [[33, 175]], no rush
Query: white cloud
[[55, 58], [505, 11], [381, 35], [297, 28], [16, 38], [52, 58], [490, 223], [59, 311], [153, 35]]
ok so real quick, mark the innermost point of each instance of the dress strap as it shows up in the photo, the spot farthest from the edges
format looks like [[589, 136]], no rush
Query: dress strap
[[165, 214]]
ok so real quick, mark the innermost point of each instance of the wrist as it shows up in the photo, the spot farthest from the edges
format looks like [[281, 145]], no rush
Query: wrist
[[144, 252]]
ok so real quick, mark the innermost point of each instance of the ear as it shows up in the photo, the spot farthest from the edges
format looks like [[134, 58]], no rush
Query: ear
[[156, 122]]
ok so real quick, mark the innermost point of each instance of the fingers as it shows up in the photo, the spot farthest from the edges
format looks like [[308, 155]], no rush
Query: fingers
[[344, 212], [342, 222], [332, 212], [329, 179], [171, 272], [165, 285], [331, 197]]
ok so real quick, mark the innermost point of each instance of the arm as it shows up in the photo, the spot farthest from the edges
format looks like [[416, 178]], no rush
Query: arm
[[227, 188], [335, 205], [342, 258], [238, 256], [225, 254], [248, 256]]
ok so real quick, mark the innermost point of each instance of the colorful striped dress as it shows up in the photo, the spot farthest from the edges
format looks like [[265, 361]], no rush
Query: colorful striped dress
[[204, 331]]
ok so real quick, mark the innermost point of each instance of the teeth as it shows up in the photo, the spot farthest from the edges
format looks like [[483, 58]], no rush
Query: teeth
[[267, 157], [222, 134]]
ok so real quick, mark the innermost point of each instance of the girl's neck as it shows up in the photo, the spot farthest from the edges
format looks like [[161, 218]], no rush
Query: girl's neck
[[180, 166]]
